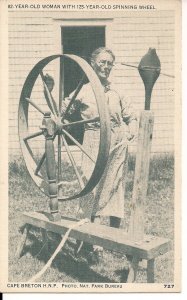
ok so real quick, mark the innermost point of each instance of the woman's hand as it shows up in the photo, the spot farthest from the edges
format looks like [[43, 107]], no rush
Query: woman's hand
[[64, 106], [132, 134], [49, 81]]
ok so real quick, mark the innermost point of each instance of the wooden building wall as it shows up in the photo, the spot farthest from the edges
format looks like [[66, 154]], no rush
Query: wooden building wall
[[31, 38]]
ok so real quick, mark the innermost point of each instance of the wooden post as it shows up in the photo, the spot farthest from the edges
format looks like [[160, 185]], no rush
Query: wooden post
[[136, 228]]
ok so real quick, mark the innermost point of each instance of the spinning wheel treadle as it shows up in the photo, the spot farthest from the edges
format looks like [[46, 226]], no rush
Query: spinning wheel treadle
[[54, 129]]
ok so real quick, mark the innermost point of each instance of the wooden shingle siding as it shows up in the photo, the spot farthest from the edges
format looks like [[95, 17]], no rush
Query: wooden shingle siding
[[31, 39]]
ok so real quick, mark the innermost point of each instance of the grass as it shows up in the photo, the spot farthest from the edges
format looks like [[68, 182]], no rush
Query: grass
[[159, 221]]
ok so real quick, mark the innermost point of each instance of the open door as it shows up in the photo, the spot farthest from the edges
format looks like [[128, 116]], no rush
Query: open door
[[81, 41]]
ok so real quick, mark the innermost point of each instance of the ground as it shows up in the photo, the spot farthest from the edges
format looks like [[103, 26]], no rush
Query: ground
[[112, 267]]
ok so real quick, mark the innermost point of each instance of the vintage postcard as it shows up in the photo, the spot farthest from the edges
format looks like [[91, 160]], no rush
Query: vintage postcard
[[90, 146]]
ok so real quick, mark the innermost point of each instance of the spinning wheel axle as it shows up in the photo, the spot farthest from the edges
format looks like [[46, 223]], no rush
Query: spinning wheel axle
[[59, 126]]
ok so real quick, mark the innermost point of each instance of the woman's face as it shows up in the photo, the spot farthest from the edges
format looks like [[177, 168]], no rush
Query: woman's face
[[103, 64]]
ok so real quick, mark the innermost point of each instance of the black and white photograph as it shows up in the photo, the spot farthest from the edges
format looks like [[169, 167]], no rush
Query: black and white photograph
[[92, 200]]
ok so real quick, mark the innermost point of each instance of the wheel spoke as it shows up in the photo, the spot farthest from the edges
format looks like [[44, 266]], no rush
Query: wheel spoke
[[81, 83], [35, 105], [61, 83], [29, 149], [32, 155], [31, 136], [41, 161], [78, 144], [49, 98], [81, 183], [40, 164], [82, 122]]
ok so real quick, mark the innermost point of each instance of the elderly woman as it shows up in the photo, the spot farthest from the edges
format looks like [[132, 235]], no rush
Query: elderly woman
[[109, 194], [107, 199]]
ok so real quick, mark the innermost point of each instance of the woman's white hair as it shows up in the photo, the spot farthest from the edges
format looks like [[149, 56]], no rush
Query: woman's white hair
[[97, 51]]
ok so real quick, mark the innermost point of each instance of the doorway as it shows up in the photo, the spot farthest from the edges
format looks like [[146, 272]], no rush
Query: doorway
[[81, 41]]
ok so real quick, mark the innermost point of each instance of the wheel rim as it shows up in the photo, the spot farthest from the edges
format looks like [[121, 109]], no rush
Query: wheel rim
[[23, 125]]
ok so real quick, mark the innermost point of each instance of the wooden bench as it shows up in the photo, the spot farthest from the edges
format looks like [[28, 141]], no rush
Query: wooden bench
[[109, 238]]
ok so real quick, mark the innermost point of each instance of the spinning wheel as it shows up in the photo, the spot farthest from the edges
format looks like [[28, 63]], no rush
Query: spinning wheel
[[47, 169]]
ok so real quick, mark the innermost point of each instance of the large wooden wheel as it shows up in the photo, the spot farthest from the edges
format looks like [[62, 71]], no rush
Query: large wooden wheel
[[32, 104]]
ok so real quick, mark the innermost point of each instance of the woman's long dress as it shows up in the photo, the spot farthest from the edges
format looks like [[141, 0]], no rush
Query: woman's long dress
[[107, 199]]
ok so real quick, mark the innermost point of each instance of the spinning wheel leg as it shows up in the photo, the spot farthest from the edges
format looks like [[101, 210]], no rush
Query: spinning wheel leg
[[22, 241], [45, 240], [133, 269], [150, 270]]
